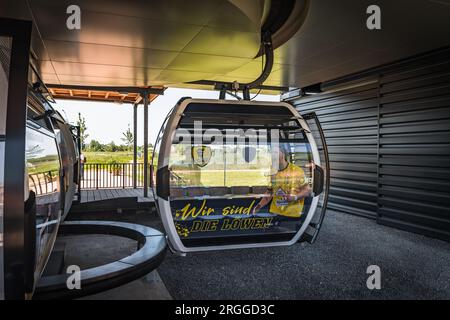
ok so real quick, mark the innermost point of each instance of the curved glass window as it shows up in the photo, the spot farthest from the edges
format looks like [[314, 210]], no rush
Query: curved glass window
[[43, 167], [68, 159]]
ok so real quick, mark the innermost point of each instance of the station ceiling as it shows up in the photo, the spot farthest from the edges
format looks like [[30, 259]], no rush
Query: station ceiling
[[171, 42]]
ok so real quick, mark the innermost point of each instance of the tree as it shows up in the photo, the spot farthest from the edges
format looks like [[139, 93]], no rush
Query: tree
[[150, 151], [140, 151], [81, 122], [111, 147], [94, 145], [128, 138]]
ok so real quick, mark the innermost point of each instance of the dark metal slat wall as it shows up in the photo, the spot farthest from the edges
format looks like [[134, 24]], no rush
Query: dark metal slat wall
[[414, 163], [350, 123], [389, 144]]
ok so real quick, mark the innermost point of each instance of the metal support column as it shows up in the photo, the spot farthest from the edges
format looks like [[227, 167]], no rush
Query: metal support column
[[14, 254], [146, 100], [80, 178], [135, 145]]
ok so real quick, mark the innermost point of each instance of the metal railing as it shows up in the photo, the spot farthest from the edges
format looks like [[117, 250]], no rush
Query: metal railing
[[115, 175], [44, 182]]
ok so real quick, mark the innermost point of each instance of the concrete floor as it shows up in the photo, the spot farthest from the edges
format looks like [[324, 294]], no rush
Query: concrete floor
[[412, 266], [149, 287], [93, 250]]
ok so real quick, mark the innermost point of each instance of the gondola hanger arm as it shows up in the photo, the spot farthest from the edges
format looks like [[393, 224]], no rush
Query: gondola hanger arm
[[230, 87]]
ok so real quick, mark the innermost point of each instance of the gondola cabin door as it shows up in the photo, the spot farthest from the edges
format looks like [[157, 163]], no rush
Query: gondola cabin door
[[235, 174]]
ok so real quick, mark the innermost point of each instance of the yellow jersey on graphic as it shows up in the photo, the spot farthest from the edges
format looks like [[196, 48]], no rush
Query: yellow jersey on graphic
[[286, 182]]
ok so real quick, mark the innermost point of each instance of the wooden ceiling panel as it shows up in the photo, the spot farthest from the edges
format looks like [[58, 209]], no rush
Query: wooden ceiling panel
[[97, 95]]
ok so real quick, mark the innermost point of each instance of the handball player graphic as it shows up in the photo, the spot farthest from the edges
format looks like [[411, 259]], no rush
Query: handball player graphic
[[288, 189]]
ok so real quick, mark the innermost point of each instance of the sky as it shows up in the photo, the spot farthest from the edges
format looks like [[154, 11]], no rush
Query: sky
[[106, 121]]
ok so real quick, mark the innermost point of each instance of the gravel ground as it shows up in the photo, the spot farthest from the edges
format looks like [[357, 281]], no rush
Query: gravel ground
[[412, 266]]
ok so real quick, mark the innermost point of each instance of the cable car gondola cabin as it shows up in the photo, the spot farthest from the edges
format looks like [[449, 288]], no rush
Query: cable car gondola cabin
[[235, 174]]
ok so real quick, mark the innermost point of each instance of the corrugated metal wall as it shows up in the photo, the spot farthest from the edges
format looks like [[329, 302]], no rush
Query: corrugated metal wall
[[350, 123], [389, 143], [414, 163]]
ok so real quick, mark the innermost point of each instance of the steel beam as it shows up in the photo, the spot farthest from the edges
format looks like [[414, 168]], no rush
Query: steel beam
[[135, 145], [146, 101]]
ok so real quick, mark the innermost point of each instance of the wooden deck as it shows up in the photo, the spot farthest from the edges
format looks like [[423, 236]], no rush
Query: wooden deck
[[113, 200], [108, 194]]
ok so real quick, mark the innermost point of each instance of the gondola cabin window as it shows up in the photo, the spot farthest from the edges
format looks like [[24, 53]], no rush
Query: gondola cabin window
[[225, 169]]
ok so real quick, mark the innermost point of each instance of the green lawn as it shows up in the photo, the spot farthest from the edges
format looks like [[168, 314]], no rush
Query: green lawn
[[105, 157], [108, 157], [42, 165], [235, 178], [231, 178]]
